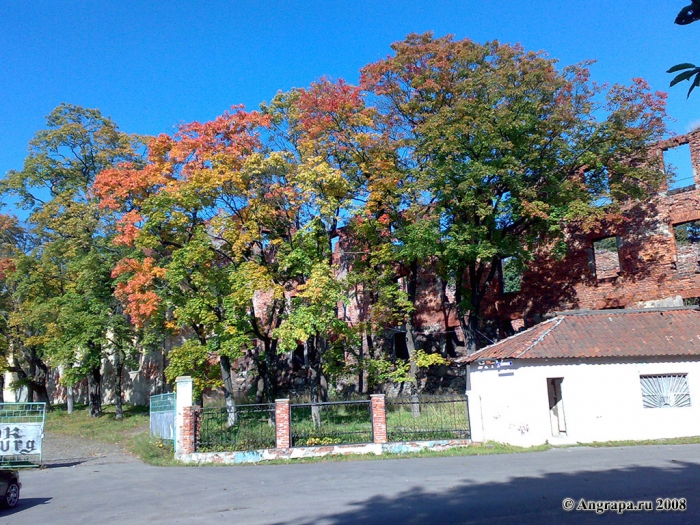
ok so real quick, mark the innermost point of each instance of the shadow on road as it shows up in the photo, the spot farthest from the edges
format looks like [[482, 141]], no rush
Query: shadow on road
[[24, 504], [532, 500], [60, 463]]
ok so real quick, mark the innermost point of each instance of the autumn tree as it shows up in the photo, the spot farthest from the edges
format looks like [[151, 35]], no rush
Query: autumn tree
[[64, 286], [187, 213], [509, 148]]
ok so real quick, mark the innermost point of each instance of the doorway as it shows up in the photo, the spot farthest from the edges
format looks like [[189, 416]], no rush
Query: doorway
[[556, 406]]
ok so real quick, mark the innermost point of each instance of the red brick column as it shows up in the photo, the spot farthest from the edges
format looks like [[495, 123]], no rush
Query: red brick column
[[282, 423], [187, 437], [378, 418]]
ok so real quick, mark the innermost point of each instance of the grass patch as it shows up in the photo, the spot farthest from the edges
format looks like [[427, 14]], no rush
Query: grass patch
[[155, 452], [107, 428], [692, 440]]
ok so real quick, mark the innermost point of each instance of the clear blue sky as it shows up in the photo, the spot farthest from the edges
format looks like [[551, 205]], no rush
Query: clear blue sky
[[151, 65]]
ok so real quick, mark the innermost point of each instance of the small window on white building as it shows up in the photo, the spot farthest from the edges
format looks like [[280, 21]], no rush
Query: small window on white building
[[665, 391]]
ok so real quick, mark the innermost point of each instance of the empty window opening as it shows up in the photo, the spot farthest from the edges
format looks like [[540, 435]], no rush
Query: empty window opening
[[679, 167], [298, 358], [687, 233], [511, 275], [691, 301], [607, 257], [687, 236], [665, 391]]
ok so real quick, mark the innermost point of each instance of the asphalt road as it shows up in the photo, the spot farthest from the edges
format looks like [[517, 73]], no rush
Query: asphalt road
[[504, 489]]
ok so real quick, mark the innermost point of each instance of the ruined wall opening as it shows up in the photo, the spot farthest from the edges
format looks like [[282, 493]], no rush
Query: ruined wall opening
[[511, 276], [687, 236], [400, 347], [606, 257], [679, 168]]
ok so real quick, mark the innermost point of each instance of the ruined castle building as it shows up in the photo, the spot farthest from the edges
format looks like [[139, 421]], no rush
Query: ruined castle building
[[652, 259]]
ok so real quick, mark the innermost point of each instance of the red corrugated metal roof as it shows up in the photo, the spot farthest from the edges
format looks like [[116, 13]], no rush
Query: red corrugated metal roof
[[604, 333]]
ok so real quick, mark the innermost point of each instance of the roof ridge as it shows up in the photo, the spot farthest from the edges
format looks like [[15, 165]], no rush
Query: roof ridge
[[559, 321], [621, 311], [517, 334]]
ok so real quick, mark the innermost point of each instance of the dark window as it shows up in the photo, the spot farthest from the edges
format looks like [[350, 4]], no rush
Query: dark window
[[400, 348]]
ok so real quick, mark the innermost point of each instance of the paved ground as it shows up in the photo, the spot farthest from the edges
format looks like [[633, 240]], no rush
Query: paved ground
[[112, 488]]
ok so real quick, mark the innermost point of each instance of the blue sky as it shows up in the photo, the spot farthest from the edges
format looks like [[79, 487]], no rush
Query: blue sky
[[151, 65]]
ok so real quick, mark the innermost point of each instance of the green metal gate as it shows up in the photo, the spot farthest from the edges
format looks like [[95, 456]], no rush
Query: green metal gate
[[162, 416]]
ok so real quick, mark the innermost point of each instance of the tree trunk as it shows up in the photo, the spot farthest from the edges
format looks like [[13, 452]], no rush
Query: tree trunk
[[95, 392], [36, 382], [312, 374], [270, 377], [118, 384], [2, 387], [31, 375], [410, 337], [225, 364], [70, 399]]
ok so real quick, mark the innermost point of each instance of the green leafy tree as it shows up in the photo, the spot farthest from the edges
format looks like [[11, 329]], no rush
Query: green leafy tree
[[509, 149], [64, 284]]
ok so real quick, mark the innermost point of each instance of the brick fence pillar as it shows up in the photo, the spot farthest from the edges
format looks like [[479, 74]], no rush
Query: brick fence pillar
[[183, 399], [378, 418], [187, 437], [282, 423]]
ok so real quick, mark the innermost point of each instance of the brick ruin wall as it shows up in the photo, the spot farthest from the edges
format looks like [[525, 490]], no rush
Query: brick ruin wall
[[648, 264]]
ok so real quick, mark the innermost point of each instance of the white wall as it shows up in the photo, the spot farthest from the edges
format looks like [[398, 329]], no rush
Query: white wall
[[602, 401]]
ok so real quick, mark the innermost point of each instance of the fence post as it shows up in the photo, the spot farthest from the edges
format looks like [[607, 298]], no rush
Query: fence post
[[378, 418], [184, 434], [282, 423], [188, 430]]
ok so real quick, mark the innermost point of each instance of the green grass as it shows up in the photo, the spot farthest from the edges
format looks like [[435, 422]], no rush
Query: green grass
[[692, 440], [436, 420], [107, 428], [340, 424], [253, 430]]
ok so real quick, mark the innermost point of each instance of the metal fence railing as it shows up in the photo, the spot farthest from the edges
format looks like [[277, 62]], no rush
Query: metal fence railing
[[162, 416], [21, 434], [219, 429], [427, 418], [331, 423]]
